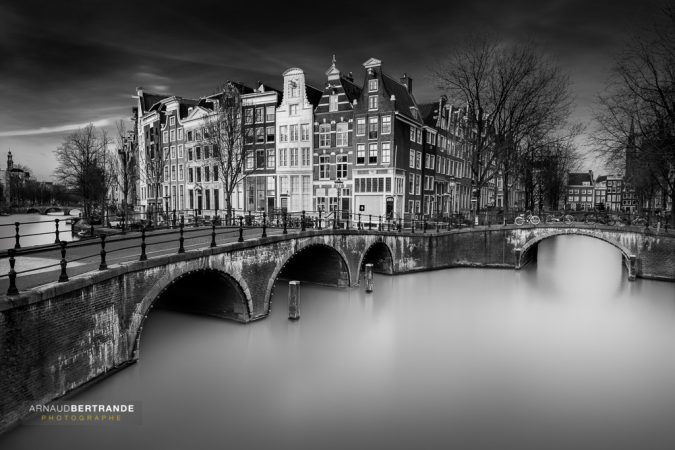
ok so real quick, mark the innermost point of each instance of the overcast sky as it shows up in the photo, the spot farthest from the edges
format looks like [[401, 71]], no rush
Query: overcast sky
[[64, 64]]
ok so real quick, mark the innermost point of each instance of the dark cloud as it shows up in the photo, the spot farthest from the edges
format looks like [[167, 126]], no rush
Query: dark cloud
[[78, 61]]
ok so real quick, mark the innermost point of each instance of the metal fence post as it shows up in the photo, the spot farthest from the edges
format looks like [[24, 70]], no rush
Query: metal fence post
[[16, 236], [213, 233], [370, 222], [320, 219], [302, 227], [64, 276], [241, 229], [103, 265], [181, 240], [285, 223], [264, 227], [57, 240], [12, 273], [143, 255]]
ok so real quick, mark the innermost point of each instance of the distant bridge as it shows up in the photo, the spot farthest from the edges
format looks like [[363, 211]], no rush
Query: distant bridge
[[57, 336], [44, 209]]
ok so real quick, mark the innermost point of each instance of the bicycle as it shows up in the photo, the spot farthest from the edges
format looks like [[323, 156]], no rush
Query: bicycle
[[557, 218], [604, 219], [527, 217]]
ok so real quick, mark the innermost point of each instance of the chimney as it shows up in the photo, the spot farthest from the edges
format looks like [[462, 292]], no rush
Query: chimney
[[139, 91], [407, 82]]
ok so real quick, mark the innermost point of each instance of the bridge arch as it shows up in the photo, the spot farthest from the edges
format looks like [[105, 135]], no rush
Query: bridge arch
[[227, 298], [379, 254], [52, 209], [528, 252], [312, 262], [33, 211]]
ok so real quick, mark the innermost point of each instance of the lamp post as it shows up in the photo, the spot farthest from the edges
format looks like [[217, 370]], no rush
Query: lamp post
[[338, 185]]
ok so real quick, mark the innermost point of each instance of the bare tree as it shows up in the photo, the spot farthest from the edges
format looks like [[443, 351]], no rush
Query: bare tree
[[636, 116], [511, 92], [152, 172], [224, 132], [82, 165], [126, 165]]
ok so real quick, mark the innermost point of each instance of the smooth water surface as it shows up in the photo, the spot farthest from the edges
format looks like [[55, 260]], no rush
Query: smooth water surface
[[564, 354], [34, 229]]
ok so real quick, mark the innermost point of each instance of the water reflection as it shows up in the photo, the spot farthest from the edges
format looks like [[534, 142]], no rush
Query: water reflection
[[564, 354]]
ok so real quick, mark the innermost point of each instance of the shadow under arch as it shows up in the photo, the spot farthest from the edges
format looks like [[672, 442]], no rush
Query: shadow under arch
[[316, 263], [207, 292], [380, 256], [528, 252]]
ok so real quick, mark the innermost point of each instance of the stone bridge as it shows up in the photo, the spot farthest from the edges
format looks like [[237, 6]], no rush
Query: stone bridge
[[60, 336], [43, 209]]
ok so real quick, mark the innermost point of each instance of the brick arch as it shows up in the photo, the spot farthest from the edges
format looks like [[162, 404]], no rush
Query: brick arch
[[378, 243], [627, 255], [164, 283], [302, 245]]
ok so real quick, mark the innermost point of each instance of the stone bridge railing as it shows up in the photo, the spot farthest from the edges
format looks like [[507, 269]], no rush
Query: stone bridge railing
[[59, 336]]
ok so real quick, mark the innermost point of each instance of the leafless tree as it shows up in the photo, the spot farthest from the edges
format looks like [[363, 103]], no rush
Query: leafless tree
[[152, 172], [511, 93], [224, 132], [126, 164], [83, 165], [636, 115]]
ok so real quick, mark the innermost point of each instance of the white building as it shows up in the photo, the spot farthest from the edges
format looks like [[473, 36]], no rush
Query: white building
[[295, 117]]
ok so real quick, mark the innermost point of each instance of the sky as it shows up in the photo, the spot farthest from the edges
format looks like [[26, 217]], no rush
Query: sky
[[64, 64]]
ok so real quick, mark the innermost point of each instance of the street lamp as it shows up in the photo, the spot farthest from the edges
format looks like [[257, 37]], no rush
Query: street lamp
[[338, 185]]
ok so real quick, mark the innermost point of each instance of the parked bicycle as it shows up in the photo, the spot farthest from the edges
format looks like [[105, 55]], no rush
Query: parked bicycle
[[602, 218], [527, 217], [561, 217]]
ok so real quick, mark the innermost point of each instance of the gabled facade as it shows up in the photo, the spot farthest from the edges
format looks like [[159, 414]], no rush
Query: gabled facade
[[259, 132], [387, 174], [334, 152], [580, 191], [294, 119]]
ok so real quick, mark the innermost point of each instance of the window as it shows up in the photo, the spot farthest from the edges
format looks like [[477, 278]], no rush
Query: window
[[190, 136], [248, 136], [198, 135], [180, 134], [270, 158], [172, 120], [361, 126], [198, 153], [260, 135], [341, 166], [269, 113], [248, 116], [173, 152], [283, 157], [249, 161], [372, 153], [372, 85], [324, 167], [418, 160], [341, 134], [418, 182], [181, 174], [190, 154], [412, 134], [306, 157], [173, 173], [411, 183], [419, 136], [412, 159], [207, 153], [304, 132], [259, 114], [215, 175], [294, 133], [386, 152], [333, 103], [360, 154], [386, 124], [173, 134], [207, 173], [270, 134], [180, 151], [324, 135], [165, 136], [198, 171], [294, 157], [166, 152], [293, 110], [260, 158], [372, 102], [283, 133], [372, 127], [293, 88]]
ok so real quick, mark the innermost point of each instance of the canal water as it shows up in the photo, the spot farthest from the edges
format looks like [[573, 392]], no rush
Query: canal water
[[34, 229], [564, 354]]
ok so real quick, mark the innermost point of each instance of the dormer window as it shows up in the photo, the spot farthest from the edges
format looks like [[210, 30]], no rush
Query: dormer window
[[372, 85], [172, 120], [372, 102]]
